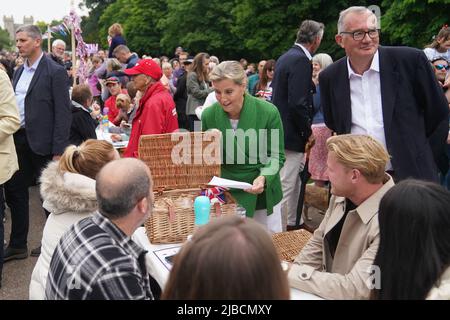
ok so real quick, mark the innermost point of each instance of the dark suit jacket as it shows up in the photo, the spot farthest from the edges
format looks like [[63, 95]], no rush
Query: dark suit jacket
[[413, 108], [47, 108], [292, 95]]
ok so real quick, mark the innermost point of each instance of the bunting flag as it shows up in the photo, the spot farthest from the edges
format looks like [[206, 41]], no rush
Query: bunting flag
[[61, 29], [215, 194], [92, 48], [73, 22], [48, 34]]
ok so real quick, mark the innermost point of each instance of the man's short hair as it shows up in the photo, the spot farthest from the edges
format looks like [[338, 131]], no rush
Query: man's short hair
[[58, 42], [343, 14], [309, 30], [31, 30], [121, 184], [121, 48], [360, 152]]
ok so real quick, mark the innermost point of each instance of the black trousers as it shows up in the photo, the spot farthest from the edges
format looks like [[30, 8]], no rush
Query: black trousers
[[16, 189]]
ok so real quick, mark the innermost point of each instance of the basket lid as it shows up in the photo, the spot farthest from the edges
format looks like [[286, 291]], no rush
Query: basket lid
[[181, 160]]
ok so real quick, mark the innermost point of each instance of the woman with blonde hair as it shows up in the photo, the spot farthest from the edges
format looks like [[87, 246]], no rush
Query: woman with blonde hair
[[237, 114], [115, 31], [68, 192]]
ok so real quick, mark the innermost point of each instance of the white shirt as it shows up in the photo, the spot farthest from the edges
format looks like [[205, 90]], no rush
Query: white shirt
[[308, 54], [365, 96], [22, 87], [432, 54]]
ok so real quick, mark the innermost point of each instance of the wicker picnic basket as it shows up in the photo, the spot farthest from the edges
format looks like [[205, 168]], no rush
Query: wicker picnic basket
[[290, 243], [176, 184]]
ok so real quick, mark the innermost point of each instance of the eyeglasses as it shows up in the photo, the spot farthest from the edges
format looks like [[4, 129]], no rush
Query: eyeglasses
[[441, 66], [359, 35]]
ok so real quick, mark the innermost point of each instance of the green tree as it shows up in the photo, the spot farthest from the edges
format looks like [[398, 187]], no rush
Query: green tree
[[89, 24], [413, 23], [5, 42], [201, 26], [269, 27], [139, 18]]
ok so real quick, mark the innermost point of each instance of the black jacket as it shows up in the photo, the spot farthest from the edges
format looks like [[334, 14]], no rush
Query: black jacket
[[47, 108], [293, 96], [414, 107], [83, 126]]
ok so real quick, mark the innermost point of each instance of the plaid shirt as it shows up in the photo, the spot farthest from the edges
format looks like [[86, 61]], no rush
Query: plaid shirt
[[95, 260]]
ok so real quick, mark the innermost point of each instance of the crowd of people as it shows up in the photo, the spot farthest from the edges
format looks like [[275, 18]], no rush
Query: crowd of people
[[372, 128]]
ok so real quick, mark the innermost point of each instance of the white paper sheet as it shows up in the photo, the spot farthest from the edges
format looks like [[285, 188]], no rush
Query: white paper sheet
[[226, 183]]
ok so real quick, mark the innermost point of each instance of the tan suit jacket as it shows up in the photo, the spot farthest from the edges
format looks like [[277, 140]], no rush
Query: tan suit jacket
[[348, 274], [9, 123]]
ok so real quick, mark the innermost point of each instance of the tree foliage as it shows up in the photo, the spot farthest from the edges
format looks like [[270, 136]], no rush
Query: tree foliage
[[254, 29], [413, 23], [5, 42], [200, 26]]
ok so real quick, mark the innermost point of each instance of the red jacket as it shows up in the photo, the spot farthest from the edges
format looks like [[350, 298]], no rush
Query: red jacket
[[156, 114]]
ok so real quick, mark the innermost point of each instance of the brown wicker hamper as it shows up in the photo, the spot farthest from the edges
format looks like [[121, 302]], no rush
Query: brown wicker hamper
[[290, 243], [177, 184]]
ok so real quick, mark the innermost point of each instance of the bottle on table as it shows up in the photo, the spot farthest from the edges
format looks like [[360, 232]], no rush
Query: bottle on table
[[202, 208], [105, 120]]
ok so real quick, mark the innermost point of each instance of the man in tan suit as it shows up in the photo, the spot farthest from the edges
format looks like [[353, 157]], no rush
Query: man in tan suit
[[9, 124], [337, 261]]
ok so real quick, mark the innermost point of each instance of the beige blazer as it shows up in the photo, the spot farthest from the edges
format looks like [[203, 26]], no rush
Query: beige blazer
[[348, 274], [9, 123]]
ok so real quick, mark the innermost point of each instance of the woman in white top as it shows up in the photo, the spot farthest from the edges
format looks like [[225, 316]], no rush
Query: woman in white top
[[440, 47], [68, 191]]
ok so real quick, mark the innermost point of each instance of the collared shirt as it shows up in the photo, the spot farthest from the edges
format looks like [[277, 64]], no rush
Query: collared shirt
[[308, 54], [95, 260], [365, 95], [22, 87]]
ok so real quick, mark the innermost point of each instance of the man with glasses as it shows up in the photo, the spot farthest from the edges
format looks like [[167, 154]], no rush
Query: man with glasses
[[388, 93]]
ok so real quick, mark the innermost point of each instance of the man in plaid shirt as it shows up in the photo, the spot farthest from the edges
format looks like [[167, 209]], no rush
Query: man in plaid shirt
[[96, 259]]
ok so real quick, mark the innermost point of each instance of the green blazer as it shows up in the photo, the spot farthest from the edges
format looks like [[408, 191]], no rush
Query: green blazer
[[255, 149]]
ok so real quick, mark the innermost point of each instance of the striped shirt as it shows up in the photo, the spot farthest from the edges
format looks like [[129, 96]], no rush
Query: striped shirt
[[95, 260]]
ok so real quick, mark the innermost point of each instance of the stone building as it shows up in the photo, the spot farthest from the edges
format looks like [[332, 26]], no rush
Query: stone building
[[11, 27]]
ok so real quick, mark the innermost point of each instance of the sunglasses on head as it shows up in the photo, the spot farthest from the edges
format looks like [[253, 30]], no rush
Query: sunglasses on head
[[442, 66]]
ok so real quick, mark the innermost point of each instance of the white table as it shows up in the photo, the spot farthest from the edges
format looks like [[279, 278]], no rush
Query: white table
[[161, 274], [101, 135]]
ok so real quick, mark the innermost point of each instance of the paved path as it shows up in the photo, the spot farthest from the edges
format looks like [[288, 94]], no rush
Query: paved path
[[17, 273]]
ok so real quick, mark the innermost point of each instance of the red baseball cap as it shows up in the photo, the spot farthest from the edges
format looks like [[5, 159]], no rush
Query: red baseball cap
[[147, 67]]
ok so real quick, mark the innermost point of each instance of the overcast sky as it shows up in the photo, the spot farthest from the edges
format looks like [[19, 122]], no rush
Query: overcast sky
[[41, 10]]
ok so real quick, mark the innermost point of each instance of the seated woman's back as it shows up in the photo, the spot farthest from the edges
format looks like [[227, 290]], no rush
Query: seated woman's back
[[68, 192]]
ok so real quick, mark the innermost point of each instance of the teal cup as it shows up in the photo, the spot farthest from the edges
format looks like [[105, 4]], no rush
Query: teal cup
[[202, 207]]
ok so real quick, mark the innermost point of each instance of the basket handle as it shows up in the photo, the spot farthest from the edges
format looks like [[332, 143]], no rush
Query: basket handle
[[171, 210], [159, 191], [218, 209]]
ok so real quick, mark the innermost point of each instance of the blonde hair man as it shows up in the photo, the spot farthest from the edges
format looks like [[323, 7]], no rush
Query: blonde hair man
[[337, 261]]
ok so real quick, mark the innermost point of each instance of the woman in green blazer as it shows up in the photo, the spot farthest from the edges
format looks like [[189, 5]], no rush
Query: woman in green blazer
[[253, 143]]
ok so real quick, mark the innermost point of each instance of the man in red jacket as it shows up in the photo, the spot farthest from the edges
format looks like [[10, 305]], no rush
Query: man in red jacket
[[156, 113]]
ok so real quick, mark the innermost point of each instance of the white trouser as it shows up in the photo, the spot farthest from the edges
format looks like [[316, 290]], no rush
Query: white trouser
[[291, 183], [272, 222]]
